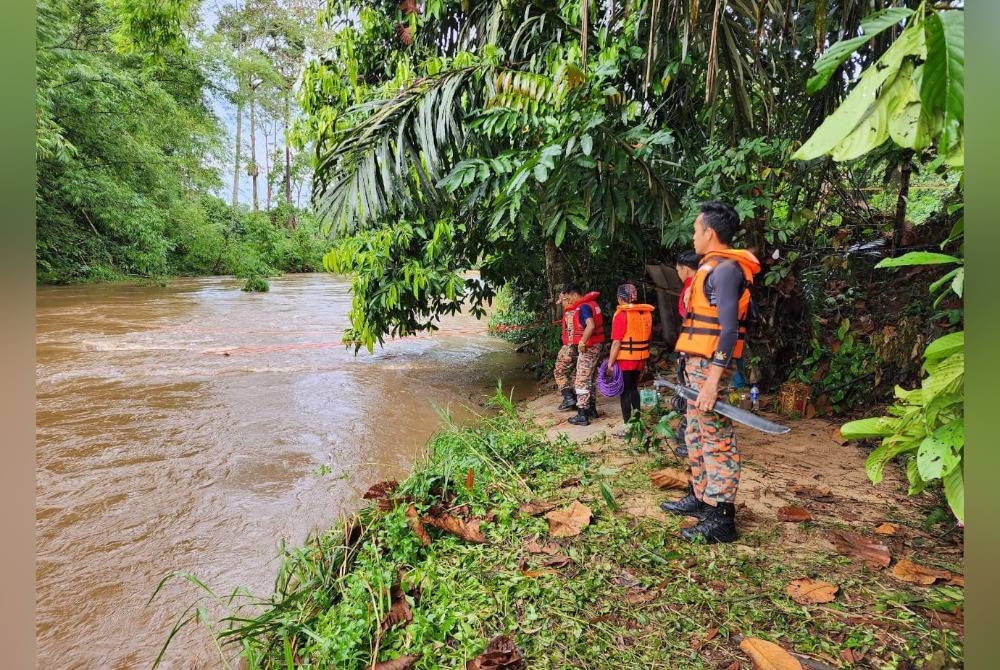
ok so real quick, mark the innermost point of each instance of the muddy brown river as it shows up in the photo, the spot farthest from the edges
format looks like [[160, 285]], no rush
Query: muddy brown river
[[195, 427]]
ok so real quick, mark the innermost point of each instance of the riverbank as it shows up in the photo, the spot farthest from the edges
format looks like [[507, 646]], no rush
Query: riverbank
[[525, 527]]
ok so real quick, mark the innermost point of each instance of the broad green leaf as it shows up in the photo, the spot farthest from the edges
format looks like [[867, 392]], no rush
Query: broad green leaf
[[935, 458], [944, 346], [958, 283], [841, 51], [908, 125], [560, 232], [876, 460], [954, 491], [879, 426], [952, 434], [917, 483], [943, 85], [860, 123], [586, 144], [945, 377], [917, 258], [943, 280]]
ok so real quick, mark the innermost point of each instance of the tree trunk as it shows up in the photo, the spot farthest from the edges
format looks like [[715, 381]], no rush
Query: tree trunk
[[253, 148], [236, 166], [554, 277], [288, 159], [292, 222], [267, 168], [899, 226]]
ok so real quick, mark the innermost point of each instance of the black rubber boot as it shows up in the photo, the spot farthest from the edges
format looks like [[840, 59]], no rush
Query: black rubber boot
[[569, 400], [682, 449], [718, 526], [581, 418], [592, 408], [689, 505]]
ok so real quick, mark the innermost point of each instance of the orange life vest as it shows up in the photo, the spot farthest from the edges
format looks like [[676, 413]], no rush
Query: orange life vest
[[598, 335], [701, 330], [638, 331]]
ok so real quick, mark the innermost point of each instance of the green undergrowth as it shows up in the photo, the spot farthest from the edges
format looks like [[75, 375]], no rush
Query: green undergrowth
[[633, 595]]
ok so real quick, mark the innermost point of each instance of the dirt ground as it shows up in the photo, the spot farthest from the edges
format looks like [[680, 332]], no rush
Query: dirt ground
[[811, 467]]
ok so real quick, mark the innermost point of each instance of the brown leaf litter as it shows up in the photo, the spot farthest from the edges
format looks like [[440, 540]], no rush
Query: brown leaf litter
[[806, 591], [500, 654], [669, 478], [876, 556], [569, 521]]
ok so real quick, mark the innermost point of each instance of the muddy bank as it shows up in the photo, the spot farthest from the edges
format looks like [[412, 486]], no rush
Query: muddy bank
[[546, 541]]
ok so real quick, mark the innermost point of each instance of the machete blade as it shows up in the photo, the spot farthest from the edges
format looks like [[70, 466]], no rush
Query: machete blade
[[725, 409]]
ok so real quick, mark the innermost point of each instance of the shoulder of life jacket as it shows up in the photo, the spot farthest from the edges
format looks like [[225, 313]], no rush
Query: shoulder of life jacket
[[638, 331], [701, 330], [597, 336]]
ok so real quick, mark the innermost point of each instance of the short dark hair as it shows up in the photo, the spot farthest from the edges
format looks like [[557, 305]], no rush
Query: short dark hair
[[722, 218], [688, 259], [572, 287]]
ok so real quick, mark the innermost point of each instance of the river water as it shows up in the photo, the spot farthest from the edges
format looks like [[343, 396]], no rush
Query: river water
[[187, 428]]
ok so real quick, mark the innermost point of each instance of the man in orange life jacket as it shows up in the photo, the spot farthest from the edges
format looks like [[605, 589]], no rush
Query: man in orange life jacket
[[712, 338], [582, 335]]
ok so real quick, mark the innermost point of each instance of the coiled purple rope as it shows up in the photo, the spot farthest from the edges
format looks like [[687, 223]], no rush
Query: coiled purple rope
[[614, 385]]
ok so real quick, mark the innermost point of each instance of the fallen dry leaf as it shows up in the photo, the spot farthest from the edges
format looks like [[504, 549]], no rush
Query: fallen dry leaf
[[639, 595], [465, 530], [569, 481], [539, 572], [501, 654], [381, 490], [711, 633], [793, 514], [875, 556], [807, 591], [401, 663], [535, 547], [957, 580], [735, 665], [470, 479], [399, 612], [669, 478], [768, 656], [838, 437], [536, 507], [820, 493], [558, 561], [413, 520], [689, 522], [851, 656], [887, 529], [908, 571], [569, 521]]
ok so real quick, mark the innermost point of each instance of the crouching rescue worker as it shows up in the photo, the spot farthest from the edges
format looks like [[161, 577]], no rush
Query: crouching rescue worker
[[631, 333], [583, 330], [712, 338]]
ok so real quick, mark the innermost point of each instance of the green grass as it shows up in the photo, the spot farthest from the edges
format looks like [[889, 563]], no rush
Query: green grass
[[332, 594]]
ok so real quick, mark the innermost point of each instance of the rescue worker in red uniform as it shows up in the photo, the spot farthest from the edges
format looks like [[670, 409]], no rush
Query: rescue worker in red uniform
[[712, 340], [582, 335]]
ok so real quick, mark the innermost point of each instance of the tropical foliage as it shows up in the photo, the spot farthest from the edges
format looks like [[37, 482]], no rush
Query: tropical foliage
[[566, 141], [914, 94]]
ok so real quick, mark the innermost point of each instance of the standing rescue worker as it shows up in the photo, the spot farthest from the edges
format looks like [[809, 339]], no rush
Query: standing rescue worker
[[583, 329], [631, 333], [566, 358], [712, 339]]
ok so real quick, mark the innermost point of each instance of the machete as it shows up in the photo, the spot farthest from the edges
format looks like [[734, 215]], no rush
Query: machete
[[725, 409]]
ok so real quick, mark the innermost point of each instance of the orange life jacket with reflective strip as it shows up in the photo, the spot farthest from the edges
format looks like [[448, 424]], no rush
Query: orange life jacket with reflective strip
[[638, 331], [701, 330], [598, 335]]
